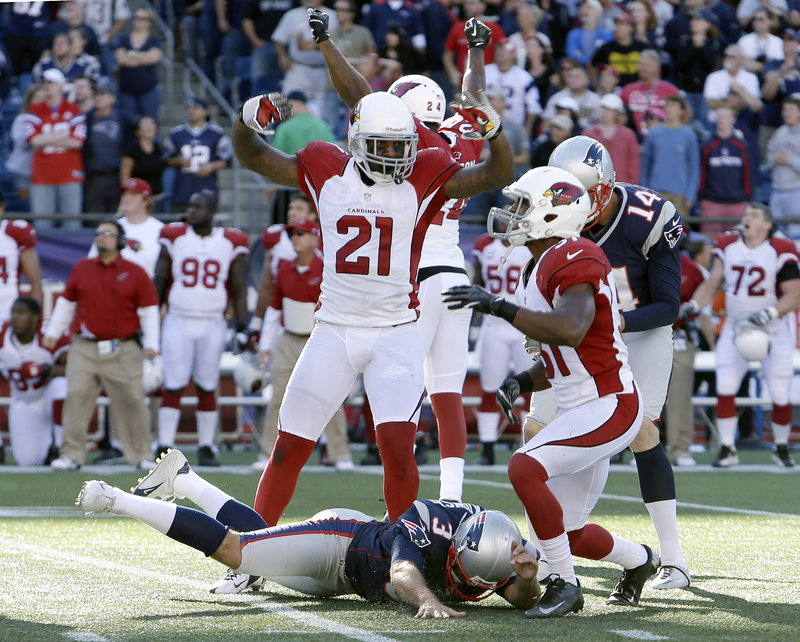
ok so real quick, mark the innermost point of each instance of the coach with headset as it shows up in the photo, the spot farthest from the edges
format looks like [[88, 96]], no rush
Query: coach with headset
[[115, 308]]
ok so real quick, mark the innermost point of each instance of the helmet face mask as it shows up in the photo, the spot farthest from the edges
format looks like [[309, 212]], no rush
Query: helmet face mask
[[382, 138], [591, 163], [422, 96], [548, 202]]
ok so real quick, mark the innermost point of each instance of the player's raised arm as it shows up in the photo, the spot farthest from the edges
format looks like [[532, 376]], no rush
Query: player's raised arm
[[255, 116], [478, 37]]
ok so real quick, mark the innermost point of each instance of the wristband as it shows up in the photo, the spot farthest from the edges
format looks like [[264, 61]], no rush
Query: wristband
[[504, 309], [525, 382]]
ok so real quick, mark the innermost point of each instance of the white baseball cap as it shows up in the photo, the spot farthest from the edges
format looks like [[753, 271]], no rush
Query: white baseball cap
[[612, 101], [54, 75]]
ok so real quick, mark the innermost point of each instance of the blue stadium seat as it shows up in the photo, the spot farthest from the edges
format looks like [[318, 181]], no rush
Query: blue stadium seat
[[9, 189]]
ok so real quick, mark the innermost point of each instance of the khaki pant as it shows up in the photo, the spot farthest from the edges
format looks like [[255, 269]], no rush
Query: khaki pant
[[287, 351], [680, 411], [679, 201], [120, 375]]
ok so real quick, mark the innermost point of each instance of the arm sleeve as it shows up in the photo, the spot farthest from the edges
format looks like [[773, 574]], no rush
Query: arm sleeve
[[62, 316], [269, 330], [149, 321]]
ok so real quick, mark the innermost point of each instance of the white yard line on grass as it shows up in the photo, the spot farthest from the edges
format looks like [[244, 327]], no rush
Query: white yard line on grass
[[86, 637], [304, 617], [638, 635]]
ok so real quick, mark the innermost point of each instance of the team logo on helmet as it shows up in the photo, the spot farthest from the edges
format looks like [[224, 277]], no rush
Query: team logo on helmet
[[475, 533], [563, 194], [356, 115], [594, 155], [403, 88]]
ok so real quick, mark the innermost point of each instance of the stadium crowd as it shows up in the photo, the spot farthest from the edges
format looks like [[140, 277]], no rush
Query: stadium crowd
[[698, 101]]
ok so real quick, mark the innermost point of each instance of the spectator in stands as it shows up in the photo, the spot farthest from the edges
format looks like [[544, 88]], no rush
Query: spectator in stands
[[56, 129], [622, 52], [258, 25], [521, 94], [437, 18], [746, 112], [607, 81], [732, 78], [200, 35], [557, 130], [649, 91], [529, 16], [697, 56], [70, 15], [540, 65], [144, 157], [760, 45], [138, 54], [109, 348], [619, 140], [199, 149], [294, 296], [645, 24], [671, 158], [83, 88], [577, 88], [746, 10], [107, 129], [781, 78], [455, 47], [303, 127], [234, 44], [301, 60], [106, 18], [783, 158], [20, 160], [61, 58], [555, 24], [26, 35], [611, 10], [583, 41], [77, 44], [395, 48], [725, 174], [380, 16]]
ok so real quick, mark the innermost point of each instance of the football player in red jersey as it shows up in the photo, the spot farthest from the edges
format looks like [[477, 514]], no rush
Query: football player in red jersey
[[568, 302]]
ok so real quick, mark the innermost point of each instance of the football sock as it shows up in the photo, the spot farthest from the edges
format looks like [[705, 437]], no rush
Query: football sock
[[196, 489], [592, 542], [206, 427], [488, 424], [727, 431], [780, 433], [198, 530], [279, 479], [451, 478], [556, 552], [168, 419], [153, 512], [626, 553], [400, 473]]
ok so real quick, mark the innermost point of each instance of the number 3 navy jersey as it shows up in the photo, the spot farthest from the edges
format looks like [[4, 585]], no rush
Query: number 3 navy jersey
[[421, 536], [641, 243]]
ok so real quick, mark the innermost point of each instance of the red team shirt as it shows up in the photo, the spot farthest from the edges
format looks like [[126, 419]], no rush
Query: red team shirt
[[15, 238], [291, 283], [56, 165], [13, 355]]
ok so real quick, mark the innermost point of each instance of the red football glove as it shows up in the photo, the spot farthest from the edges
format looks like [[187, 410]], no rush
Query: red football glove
[[259, 112], [479, 113], [32, 371]]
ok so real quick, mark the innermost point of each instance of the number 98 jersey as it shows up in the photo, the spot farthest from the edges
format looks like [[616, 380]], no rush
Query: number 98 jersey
[[200, 268]]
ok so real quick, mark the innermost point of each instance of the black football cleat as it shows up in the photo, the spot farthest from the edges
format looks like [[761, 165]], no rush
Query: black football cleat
[[629, 587], [559, 598], [206, 456]]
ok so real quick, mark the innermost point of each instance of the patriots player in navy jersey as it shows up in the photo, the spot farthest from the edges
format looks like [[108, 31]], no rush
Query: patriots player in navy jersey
[[435, 551], [638, 230]]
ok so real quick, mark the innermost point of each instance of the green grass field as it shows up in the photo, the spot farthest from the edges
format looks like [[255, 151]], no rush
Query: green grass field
[[71, 577]]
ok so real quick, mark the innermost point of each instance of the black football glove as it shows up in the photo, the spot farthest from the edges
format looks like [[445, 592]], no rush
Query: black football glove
[[318, 21], [240, 341], [688, 309], [477, 33], [506, 395], [259, 112], [474, 296], [763, 317]]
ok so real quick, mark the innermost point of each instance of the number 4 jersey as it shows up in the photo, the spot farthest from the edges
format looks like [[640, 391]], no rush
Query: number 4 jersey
[[371, 234], [200, 268]]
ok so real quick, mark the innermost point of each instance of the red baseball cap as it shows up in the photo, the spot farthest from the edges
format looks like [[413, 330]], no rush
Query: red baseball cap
[[138, 186], [304, 225]]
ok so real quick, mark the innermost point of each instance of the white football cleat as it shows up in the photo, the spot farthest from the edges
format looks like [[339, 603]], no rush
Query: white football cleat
[[96, 497], [158, 483], [671, 577], [235, 582]]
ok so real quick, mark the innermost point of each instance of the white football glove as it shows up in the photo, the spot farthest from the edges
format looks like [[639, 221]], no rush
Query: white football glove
[[533, 348], [259, 112], [476, 110]]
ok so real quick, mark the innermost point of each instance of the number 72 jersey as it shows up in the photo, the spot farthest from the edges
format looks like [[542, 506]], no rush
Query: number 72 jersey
[[200, 268]]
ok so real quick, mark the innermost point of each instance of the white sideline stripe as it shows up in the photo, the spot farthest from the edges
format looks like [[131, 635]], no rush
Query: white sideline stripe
[[85, 637], [638, 635], [305, 618]]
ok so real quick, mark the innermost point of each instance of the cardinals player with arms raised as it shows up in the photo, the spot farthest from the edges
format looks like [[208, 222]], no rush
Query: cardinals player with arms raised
[[200, 267], [444, 333], [497, 267], [17, 255], [762, 286], [374, 208], [36, 378], [568, 302]]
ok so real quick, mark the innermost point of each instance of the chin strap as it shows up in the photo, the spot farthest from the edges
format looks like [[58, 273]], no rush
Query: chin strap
[[505, 256]]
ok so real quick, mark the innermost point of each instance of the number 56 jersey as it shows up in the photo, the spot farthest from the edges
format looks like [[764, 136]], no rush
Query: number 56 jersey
[[371, 234], [200, 268]]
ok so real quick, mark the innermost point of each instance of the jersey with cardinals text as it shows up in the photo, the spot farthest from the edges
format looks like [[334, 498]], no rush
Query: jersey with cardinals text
[[641, 243], [598, 366], [22, 363], [372, 235], [15, 238], [200, 268]]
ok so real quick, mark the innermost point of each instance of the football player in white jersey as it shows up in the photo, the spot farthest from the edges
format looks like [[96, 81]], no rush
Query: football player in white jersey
[[17, 255], [38, 386], [500, 344], [567, 301], [374, 208], [199, 269], [761, 278]]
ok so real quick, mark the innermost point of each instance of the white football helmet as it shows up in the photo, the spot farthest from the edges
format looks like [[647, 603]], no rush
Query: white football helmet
[[548, 202], [381, 120], [751, 340], [249, 374], [152, 374], [590, 161], [422, 96], [480, 555]]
